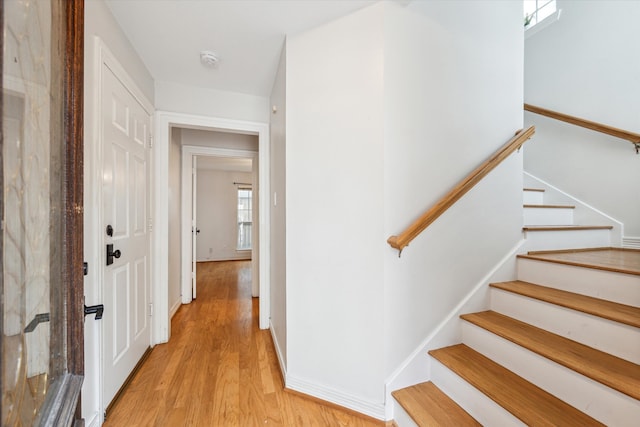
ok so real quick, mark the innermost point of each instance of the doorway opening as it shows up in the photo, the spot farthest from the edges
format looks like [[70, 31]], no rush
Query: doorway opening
[[210, 229], [167, 205]]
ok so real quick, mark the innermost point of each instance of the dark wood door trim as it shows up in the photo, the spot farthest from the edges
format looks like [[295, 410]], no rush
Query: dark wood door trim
[[73, 184], [1, 202]]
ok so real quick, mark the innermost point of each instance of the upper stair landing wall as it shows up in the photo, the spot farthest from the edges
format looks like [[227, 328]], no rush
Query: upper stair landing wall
[[594, 77], [583, 214]]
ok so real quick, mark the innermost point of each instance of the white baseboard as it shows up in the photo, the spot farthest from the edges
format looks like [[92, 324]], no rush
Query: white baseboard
[[174, 308], [338, 397], [631, 242], [417, 367], [346, 400], [276, 344], [94, 421]]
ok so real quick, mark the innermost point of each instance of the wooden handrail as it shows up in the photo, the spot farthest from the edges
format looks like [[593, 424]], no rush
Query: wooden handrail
[[403, 239], [634, 138]]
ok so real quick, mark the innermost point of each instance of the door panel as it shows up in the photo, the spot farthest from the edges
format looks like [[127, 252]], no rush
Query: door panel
[[140, 324], [120, 321], [126, 199], [116, 199], [140, 168]]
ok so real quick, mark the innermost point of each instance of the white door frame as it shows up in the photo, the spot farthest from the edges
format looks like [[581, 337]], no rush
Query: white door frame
[[164, 121], [189, 152]]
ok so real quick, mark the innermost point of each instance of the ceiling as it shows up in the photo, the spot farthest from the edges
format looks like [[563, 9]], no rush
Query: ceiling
[[246, 35]]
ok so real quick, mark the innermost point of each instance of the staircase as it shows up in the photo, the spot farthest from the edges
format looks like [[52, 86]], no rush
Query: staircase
[[559, 346]]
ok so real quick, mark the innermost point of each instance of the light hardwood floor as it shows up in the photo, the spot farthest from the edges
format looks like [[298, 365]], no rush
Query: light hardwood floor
[[219, 368]]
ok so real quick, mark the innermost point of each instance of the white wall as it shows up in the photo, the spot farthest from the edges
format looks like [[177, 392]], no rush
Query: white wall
[[216, 215], [407, 99], [453, 95], [175, 200], [278, 212], [587, 65], [334, 211], [211, 103], [98, 21]]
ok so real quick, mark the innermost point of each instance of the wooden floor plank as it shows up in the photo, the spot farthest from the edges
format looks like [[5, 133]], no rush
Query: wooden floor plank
[[527, 402], [621, 260], [602, 367], [621, 313], [219, 368], [430, 407]]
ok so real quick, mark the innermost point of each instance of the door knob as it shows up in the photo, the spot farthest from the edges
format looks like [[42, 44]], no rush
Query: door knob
[[111, 254]]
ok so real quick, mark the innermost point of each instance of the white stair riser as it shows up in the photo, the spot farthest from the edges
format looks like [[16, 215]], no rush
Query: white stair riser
[[567, 239], [548, 216], [533, 197], [476, 403], [607, 285], [594, 399], [401, 417], [611, 337]]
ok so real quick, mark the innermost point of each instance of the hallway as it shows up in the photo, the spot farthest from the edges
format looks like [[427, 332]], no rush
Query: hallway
[[219, 368]]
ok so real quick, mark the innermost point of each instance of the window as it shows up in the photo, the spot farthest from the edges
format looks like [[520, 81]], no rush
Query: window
[[245, 203], [535, 11]]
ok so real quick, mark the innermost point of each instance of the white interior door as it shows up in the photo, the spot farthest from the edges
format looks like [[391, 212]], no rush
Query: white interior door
[[125, 127], [194, 224]]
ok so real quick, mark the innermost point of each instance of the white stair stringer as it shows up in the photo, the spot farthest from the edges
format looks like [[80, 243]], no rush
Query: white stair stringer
[[608, 285], [615, 338], [401, 417], [477, 404], [594, 399], [547, 215], [567, 239]]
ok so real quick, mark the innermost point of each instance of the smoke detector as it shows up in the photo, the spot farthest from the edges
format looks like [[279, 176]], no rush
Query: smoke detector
[[209, 59]]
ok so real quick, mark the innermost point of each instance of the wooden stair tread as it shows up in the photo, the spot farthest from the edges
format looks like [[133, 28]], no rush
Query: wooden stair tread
[[612, 371], [429, 406], [540, 190], [621, 313], [565, 227], [550, 206], [527, 402], [620, 260]]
